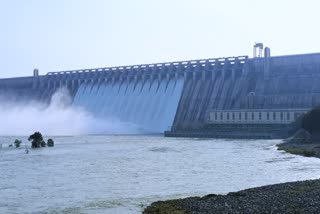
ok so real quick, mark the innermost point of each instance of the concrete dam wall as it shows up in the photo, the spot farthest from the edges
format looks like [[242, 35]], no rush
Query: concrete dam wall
[[284, 82], [180, 96]]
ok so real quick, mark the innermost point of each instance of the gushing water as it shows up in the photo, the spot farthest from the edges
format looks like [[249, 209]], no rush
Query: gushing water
[[150, 105], [59, 118]]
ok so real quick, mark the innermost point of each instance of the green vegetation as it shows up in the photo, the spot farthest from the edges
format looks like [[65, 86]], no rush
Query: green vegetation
[[292, 197], [43, 144], [50, 143], [311, 120], [303, 189], [165, 207], [307, 153], [297, 151], [305, 135], [17, 143], [36, 140]]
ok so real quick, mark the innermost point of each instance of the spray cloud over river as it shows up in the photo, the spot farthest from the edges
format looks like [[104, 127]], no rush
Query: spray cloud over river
[[58, 118]]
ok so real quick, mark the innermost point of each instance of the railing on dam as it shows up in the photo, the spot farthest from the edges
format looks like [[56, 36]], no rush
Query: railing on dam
[[195, 69], [179, 66]]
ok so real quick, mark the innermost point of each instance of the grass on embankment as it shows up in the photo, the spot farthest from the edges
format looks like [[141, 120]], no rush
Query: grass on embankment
[[310, 151], [165, 207]]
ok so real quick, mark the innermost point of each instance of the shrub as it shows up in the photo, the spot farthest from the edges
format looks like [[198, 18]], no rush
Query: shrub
[[36, 140], [50, 143], [17, 143], [311, 121], [43, 143]]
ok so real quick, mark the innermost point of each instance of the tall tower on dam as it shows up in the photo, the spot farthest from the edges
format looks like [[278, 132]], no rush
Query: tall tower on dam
[[206, 97]]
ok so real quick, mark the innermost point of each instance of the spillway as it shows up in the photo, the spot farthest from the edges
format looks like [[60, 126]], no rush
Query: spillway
[[149, 105], [210, 97]]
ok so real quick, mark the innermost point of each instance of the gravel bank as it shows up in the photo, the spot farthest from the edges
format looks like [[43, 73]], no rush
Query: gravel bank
[[293, 197]]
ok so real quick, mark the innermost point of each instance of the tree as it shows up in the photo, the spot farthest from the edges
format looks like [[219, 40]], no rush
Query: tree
[[311, 121], [36, 140]]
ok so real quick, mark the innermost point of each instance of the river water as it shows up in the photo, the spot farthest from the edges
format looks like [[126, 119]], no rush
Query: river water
[[123, 174]]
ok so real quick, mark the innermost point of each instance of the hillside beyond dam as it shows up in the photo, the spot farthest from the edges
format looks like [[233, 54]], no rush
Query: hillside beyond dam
[[232, 97]]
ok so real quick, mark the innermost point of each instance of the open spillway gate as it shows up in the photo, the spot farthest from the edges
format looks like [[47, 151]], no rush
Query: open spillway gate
[[73, 79], [147, 96]]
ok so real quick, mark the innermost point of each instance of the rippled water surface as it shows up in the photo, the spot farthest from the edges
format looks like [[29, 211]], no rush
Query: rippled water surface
[[122, 174]]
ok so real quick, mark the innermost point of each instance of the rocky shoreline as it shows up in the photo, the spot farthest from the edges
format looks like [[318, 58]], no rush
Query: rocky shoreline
[[301, 143], [292, 197]]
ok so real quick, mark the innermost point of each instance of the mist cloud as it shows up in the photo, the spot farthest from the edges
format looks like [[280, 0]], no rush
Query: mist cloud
[[59, 118]]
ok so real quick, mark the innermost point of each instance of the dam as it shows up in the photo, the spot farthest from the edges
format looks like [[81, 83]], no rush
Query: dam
[[238, 96]]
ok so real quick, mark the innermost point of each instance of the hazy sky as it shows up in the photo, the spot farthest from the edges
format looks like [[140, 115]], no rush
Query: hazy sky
[[56, 35]]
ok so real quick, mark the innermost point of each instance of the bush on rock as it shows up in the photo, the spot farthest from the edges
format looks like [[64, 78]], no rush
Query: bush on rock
[[50, 143], [17, 143], [36, 140]]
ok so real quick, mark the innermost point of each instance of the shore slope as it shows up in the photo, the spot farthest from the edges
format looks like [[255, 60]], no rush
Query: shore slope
[[292, 197]]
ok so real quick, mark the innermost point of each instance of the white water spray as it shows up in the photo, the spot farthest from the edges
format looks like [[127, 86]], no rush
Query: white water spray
[[59, 118]]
